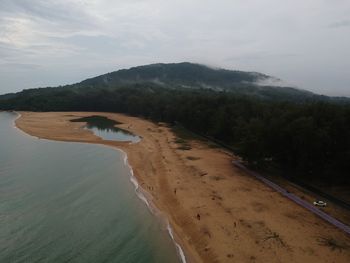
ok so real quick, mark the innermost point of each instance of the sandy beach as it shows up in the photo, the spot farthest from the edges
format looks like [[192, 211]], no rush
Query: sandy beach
[[218, 213]]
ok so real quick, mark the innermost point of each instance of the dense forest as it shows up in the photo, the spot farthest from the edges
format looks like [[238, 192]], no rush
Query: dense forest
[[308, 141], [283, 130], [195, 76]]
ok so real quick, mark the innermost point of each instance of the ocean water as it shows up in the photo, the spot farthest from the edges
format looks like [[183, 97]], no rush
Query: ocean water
[[72, 202]]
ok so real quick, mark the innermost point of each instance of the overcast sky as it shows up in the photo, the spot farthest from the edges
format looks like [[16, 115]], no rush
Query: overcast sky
[[47, 43]]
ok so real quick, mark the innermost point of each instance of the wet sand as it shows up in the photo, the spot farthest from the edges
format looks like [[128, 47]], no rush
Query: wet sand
[[219, 213]]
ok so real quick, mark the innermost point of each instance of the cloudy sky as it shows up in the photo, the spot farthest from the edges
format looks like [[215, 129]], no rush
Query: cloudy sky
[[47, 43]]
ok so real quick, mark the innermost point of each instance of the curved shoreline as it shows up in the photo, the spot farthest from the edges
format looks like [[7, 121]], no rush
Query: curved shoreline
[[139, 191], [217, 212]]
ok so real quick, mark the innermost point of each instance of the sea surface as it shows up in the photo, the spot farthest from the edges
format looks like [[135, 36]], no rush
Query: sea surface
[[72, 202]]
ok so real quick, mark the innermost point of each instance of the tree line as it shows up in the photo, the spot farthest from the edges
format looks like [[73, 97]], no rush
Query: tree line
[[306, 141]]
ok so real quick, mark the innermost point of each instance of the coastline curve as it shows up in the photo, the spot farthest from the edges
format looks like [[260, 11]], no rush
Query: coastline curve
[[139, 191]]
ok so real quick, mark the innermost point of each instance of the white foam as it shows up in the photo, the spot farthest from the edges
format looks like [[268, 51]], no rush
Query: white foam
[[15, 126], [178, 247], [139, 192], [14, 121]]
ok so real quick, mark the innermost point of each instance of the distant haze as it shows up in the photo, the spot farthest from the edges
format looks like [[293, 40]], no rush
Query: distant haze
[[305, 43]]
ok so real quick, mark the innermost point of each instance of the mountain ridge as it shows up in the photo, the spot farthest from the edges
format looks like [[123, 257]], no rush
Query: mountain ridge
[[186, 75]]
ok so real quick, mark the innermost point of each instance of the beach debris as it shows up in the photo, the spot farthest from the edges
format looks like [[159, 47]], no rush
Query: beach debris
[[198, 216], [333, 243], [206, 231], [276, 237], [192, 158]]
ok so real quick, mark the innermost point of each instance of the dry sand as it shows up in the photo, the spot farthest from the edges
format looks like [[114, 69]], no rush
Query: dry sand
[[240, 219]]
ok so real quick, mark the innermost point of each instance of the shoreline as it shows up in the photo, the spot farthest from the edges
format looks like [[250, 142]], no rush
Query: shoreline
[[216, 212], [139, 191]]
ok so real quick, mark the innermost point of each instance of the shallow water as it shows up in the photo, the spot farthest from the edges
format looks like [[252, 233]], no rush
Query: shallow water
[[72, 202], [106, 129]]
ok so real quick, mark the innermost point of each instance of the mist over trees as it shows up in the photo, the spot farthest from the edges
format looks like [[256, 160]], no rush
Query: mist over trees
[[307, 141]]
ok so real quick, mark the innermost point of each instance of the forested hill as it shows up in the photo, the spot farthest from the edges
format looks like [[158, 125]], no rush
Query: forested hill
[[195, 76], [178, 75], [305, 139]]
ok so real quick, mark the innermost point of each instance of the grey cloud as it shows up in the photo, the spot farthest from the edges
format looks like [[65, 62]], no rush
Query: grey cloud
[[252, 56], [20, 66], [54, 11], [56, 42], [339, 24], [7, 52]]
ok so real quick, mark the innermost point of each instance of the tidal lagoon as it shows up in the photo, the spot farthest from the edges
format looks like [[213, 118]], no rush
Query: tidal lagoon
[[107, 130]]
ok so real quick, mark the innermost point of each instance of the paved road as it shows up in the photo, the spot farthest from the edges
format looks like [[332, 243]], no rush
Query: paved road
[[296, 199]]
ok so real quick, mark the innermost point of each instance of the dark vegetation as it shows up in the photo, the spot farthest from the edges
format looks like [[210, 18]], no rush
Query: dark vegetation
[[100, 121], [305, 139], [333, 244]]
